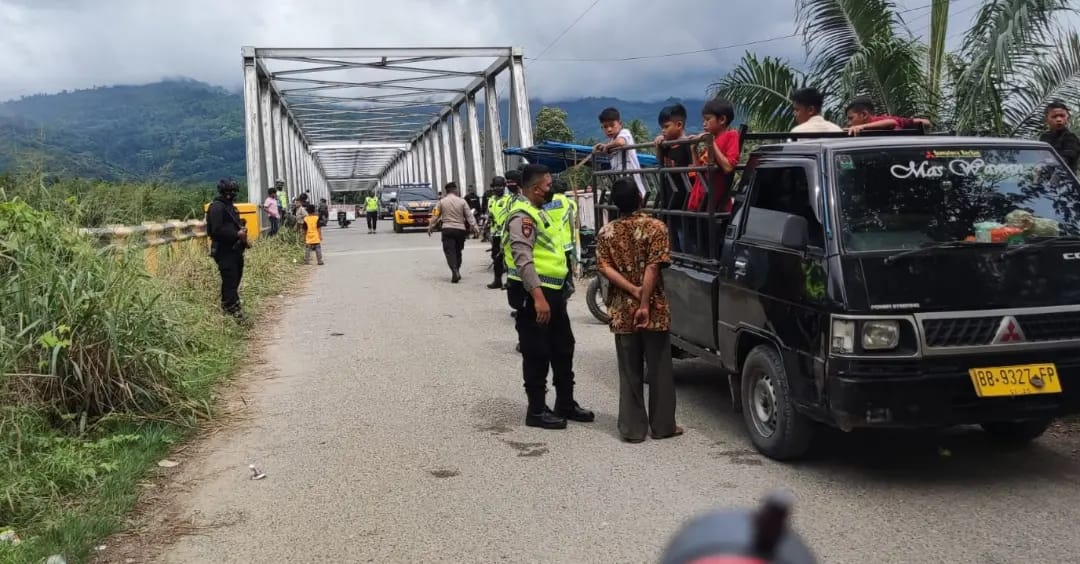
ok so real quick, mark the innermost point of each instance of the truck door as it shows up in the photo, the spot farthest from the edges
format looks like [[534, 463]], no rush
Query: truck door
[[768, 286]]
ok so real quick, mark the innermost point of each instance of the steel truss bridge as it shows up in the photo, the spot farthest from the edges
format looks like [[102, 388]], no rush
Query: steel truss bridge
[[326, 120]]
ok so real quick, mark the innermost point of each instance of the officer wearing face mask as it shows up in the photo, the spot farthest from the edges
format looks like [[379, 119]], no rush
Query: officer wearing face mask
[[537, 273], [228, 241]]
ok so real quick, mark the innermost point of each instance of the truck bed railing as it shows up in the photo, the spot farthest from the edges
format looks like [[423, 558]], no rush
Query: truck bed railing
[[696, 235]]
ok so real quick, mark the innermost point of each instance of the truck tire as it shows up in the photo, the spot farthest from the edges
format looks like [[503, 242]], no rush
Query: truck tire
[[1017, 432], [775, 427], [398, 228], [595, 299]]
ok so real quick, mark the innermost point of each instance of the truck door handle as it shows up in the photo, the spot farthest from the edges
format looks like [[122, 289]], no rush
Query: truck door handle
[[740, 267]]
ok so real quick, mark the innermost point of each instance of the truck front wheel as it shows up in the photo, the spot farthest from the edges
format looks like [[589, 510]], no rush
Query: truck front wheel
[[1017, 432], [775, 427], [594, 298]]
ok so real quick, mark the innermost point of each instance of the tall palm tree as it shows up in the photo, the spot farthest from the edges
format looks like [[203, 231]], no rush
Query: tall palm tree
[[1016, 57]]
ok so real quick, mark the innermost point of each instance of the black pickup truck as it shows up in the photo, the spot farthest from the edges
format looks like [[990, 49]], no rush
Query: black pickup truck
[[887, 281]]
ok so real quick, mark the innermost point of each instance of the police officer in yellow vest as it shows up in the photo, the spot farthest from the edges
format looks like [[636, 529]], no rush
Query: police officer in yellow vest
[[537, 271], [562, 211], [496, 208], [498, 224], [371, 209]]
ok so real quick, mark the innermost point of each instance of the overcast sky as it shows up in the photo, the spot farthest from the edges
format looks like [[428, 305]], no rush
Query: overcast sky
[[51, 45]]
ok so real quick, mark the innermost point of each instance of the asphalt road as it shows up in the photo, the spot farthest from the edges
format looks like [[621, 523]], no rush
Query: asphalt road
[[390, 426]]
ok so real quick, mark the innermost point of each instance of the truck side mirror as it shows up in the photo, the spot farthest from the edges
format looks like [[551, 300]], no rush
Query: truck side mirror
[[796, 233]]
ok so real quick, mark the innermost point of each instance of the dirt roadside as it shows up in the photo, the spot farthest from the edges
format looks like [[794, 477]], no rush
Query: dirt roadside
[[160, 517]]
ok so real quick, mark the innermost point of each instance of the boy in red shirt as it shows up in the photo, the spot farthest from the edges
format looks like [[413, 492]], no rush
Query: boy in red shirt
[[717, 115], [860, 116]]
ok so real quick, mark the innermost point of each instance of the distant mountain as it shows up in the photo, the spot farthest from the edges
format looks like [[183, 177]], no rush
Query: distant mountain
[[186, 131]]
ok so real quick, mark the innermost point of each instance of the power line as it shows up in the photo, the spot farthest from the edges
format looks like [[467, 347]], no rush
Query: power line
[[566, 30], [678, 54], [696, 51]]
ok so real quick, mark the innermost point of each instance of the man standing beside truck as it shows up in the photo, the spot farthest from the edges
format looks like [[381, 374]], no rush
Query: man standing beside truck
[[536, 265], [630, 252]]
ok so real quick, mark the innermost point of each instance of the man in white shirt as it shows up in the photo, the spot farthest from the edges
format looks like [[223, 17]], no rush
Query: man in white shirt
[[807, 103], [627, 159]]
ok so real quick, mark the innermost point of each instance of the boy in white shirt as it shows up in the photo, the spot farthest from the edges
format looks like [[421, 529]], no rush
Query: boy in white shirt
[[807, 104], [611, 124]]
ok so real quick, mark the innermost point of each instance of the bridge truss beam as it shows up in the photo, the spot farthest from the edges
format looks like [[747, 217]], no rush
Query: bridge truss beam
[[324, 120]]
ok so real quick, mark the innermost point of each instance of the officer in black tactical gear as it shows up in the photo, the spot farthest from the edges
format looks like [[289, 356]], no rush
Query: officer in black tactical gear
[[229, 240]]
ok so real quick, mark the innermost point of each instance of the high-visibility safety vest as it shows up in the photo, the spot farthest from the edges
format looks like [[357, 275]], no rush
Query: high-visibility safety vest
[[549, 258], [371, 204], [496, 208], [562, 211], [504, 205]]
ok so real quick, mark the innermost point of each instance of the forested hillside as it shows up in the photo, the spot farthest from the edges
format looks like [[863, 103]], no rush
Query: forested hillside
[[182, 131]]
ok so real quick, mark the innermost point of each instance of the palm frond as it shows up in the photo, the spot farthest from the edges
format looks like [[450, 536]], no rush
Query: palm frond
[[838, 31], [1057, 77], [935, 61], [890, 73], [1005, 41], [761, 91]]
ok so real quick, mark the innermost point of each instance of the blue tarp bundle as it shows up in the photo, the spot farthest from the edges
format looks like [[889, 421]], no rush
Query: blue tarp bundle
[[561, 156]]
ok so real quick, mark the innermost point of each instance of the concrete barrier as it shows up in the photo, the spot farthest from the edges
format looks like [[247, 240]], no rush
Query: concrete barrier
[[157, 240]]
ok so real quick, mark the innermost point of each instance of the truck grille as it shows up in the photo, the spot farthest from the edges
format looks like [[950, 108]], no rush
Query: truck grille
[[976, 331], [1051, 326], [966, 332]]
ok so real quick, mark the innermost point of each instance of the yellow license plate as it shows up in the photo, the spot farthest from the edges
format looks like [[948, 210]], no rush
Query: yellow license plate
[[1019, 380]]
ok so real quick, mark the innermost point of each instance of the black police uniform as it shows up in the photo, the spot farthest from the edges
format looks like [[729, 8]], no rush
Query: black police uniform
[[223, 225]]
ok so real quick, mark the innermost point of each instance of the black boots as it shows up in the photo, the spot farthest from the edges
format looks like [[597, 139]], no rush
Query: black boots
[[539, 415], [496, 285], [456, 276], [545, 419], [574, 412]]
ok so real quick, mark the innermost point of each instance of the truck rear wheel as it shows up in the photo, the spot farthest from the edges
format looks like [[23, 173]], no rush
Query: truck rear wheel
[[775, 427], [1017, 432]]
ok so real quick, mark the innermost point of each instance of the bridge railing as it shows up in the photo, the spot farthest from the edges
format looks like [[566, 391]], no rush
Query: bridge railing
[[155, 239]]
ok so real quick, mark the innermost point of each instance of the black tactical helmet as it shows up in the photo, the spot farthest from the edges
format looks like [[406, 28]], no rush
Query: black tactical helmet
[[513, 177], [498, 181], [228, 185]]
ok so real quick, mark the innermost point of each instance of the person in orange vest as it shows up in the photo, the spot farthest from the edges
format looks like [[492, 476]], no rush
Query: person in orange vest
[[312, 235]]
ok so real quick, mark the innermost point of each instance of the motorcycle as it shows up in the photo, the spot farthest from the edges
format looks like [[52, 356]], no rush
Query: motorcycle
[[596, 296], [343, 219]]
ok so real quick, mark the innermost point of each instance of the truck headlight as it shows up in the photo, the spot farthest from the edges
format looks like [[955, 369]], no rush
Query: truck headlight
[[843, 336], [880, 335]]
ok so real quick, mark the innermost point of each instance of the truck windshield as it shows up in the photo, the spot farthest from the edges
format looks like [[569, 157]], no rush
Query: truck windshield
[[904, 198]]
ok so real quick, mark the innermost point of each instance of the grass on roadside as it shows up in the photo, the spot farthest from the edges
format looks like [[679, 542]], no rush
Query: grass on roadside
[[103, 368]]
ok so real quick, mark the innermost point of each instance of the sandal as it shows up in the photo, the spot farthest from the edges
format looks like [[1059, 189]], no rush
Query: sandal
[[677, 432]]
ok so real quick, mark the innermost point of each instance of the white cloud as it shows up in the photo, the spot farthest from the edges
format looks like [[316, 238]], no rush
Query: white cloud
[[50, 45]]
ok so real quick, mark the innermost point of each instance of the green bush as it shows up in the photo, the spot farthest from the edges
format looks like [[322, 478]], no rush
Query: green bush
[[94, 203], [103, 367]]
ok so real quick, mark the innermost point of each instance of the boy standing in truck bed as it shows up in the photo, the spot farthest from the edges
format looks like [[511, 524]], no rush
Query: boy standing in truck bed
[[619, 136]]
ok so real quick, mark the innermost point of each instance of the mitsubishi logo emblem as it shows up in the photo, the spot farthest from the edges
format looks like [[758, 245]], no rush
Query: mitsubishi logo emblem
[[1009, 331]]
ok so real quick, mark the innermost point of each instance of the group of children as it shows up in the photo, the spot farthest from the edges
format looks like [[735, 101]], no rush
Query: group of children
[[687, 191]]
